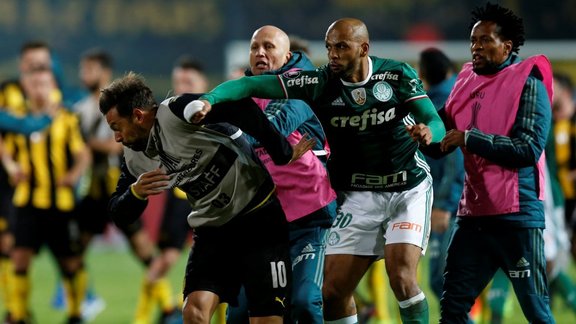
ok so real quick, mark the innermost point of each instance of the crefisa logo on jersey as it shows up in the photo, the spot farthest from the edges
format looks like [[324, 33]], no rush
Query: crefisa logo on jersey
[[359, 95], [382, 91], [301, 81]]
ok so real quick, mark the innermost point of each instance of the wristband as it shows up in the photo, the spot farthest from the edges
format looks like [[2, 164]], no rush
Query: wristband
[[135, 194], [191, 109]]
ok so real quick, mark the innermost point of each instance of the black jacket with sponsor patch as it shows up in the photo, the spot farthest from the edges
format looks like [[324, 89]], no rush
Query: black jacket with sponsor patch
[[213, 163]]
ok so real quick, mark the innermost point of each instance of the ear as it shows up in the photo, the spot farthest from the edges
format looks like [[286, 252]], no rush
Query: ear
[[288, 57], [138, 115], [364, 49], [508, 47]]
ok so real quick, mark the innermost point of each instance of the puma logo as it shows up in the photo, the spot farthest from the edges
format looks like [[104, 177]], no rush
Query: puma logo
[[281, 301]]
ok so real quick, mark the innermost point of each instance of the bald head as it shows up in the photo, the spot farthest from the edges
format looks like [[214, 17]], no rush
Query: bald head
[[274, 34], [269, 49], [350, 28], [347, 48]]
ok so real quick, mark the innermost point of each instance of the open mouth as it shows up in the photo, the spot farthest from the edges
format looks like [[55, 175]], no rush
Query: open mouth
[[261, 65]]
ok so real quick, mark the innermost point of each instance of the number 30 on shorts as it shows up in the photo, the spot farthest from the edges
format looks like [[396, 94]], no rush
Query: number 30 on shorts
[[278, 270], [342, 220]]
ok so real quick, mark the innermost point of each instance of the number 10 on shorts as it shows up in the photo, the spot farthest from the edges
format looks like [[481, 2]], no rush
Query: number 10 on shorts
[[278, 270]]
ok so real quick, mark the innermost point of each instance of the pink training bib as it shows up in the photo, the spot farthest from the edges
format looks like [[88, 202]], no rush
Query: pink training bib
[[490, 103]]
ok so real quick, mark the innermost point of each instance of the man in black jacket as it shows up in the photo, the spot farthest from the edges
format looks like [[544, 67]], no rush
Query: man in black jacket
[[230, 192]]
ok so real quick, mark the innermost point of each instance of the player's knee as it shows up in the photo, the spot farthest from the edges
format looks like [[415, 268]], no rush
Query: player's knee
[[333, 294], [328, 292], [404, 284], [192, 314], [171, 256]]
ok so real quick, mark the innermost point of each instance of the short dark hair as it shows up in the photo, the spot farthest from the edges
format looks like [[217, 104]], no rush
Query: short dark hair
[[189, 62], [510, 26], [100, 56], [127, 93], [34, 44], [434, 65]]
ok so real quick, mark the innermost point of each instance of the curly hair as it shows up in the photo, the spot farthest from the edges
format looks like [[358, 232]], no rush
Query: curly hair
[[125, 94], [510, 26]]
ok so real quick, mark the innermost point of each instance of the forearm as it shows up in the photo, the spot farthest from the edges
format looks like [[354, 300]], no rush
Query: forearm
[[263, 86], [251, 119], [82, 160], [246, 115], [12, 167], [437, 128], [527, 138], [502, 150], [433, 150], [425, 112], [124, 207], [290, 115]]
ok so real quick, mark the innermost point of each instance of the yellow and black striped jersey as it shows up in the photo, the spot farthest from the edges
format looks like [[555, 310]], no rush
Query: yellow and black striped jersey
[[45, 157], [12, 97]]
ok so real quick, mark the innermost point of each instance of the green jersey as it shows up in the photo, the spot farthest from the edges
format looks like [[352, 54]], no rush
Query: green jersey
[[365, 124]]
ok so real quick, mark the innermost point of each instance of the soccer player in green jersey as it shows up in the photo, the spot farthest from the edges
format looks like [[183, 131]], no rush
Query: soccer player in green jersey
[[375, 114]]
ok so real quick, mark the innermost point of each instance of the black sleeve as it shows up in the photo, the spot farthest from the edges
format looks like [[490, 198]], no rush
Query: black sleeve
[[123, 207], [178, 103], [246, 115]]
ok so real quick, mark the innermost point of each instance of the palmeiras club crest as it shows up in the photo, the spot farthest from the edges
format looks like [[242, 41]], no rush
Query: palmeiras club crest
[[382, 91]]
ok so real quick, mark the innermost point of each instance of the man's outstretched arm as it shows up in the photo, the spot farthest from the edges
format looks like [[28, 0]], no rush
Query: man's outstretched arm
[[261, 86]]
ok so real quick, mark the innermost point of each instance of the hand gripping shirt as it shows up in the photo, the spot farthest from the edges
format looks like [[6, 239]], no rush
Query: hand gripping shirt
[[365, 124]]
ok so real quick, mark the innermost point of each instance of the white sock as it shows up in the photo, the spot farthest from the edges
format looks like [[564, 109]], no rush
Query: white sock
[[346, 320], [412, 300]]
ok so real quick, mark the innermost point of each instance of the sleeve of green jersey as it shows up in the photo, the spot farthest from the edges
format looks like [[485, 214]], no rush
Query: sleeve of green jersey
[[424, 112], [262, 86]]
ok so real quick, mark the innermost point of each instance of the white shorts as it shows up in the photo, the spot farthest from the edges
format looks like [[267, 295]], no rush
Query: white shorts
[[368, 220]]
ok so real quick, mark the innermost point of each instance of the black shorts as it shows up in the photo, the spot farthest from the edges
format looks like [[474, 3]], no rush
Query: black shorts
[[174, 229], [251, 250], [6, 212], [35, 227], [92, 215], [6, 206], [131, 229]]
